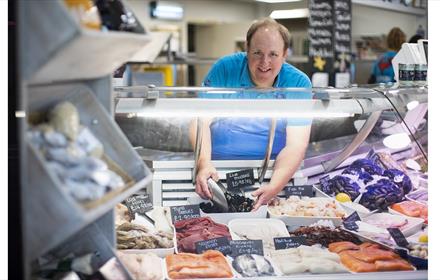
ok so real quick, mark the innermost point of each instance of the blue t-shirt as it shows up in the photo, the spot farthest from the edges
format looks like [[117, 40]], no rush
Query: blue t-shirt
[[232, 71], [383, 68], [244, 138]]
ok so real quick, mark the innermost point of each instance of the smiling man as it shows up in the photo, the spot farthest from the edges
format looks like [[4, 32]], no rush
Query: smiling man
[[261, 66]]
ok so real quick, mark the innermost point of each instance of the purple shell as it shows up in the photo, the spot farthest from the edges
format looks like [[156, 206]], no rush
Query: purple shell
[[364, 176], [367, 165], [381, 195], [400, 179], [340, 184]]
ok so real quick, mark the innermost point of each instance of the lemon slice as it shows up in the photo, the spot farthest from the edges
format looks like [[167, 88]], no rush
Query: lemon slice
[[423, 238], [343, 197]]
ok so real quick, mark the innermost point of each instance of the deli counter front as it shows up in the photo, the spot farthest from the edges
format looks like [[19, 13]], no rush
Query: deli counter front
[[356, 208]]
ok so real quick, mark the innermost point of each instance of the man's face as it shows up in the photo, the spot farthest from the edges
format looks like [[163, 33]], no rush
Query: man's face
[[265, 56]]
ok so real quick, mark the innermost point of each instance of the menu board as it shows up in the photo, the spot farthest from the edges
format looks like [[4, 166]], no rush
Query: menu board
[[342, 35], [330, 37], [320, 29]]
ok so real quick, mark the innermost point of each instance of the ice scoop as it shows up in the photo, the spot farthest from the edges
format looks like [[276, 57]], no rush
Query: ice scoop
[[218, 195]]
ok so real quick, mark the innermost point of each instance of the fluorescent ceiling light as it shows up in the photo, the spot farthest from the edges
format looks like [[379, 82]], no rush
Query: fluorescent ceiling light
[[412, 105], [166, 10], [277, 1], [295, 13], [20, 114], [236, 114], [397, 141]]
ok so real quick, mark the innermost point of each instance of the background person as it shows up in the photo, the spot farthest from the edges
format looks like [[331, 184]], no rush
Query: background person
[[382, 71]]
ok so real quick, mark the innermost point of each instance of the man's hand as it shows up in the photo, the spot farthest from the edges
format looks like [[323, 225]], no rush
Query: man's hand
[[263, 195], [206, 171]]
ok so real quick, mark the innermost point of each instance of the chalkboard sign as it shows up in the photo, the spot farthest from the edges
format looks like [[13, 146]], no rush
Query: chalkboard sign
[[240, 179], [220, 244], [329, 35], [184, 212], [305, 190], [350, 222], [242, 247], [289, 242], [342, 35], [353, 217], [321, 30], [398, 237], [138, 204], [350, 225]]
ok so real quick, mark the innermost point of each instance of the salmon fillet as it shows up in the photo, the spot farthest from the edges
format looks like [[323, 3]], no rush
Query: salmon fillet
[[371, 255], [337, 247], [354, 264], [368, 245], [211, 264], [391, 265]]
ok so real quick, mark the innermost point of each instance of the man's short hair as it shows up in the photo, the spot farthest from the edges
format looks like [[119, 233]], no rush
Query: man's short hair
[[268, 22]]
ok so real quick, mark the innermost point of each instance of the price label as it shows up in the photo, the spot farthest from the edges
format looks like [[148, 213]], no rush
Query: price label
[[289, 242], [398, 237], [305, 190], [351, 226], [242, 247], [184, 212], [350, 222], [221, 244], [353, 217], [240, 179], [138, 204]]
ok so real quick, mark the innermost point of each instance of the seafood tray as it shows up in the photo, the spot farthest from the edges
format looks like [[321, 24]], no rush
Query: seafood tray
[[412, 226], [160, 252], [420, 196], [256, 229], [380, 235], [210, 264], [349, 207], [225, 218], [292, 220], [245, 266]]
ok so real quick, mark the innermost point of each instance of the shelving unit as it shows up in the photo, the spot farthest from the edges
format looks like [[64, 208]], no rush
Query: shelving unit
[[56, 48], [61, 61]]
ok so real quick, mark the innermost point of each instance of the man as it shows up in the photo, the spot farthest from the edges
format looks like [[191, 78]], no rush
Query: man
[[262, 66]]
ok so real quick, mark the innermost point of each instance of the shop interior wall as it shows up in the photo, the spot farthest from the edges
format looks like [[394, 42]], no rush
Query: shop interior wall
[[219, 23], [370, 21]]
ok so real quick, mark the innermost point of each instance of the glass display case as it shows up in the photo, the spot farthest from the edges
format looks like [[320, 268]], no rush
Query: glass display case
[[144, 138], [386, 126]]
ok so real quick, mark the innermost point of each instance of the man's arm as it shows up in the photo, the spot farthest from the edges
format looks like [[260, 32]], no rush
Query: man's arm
[[286, 163], [204, 165]]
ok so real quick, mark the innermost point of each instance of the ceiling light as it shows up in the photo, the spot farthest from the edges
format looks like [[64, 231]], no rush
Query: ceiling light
[[397, 141], [295, 13], [153, 113], [20, 114], [277, 1], [411, 105]]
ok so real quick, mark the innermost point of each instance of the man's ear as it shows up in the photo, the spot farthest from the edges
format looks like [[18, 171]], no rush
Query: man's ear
[[285, 54]]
